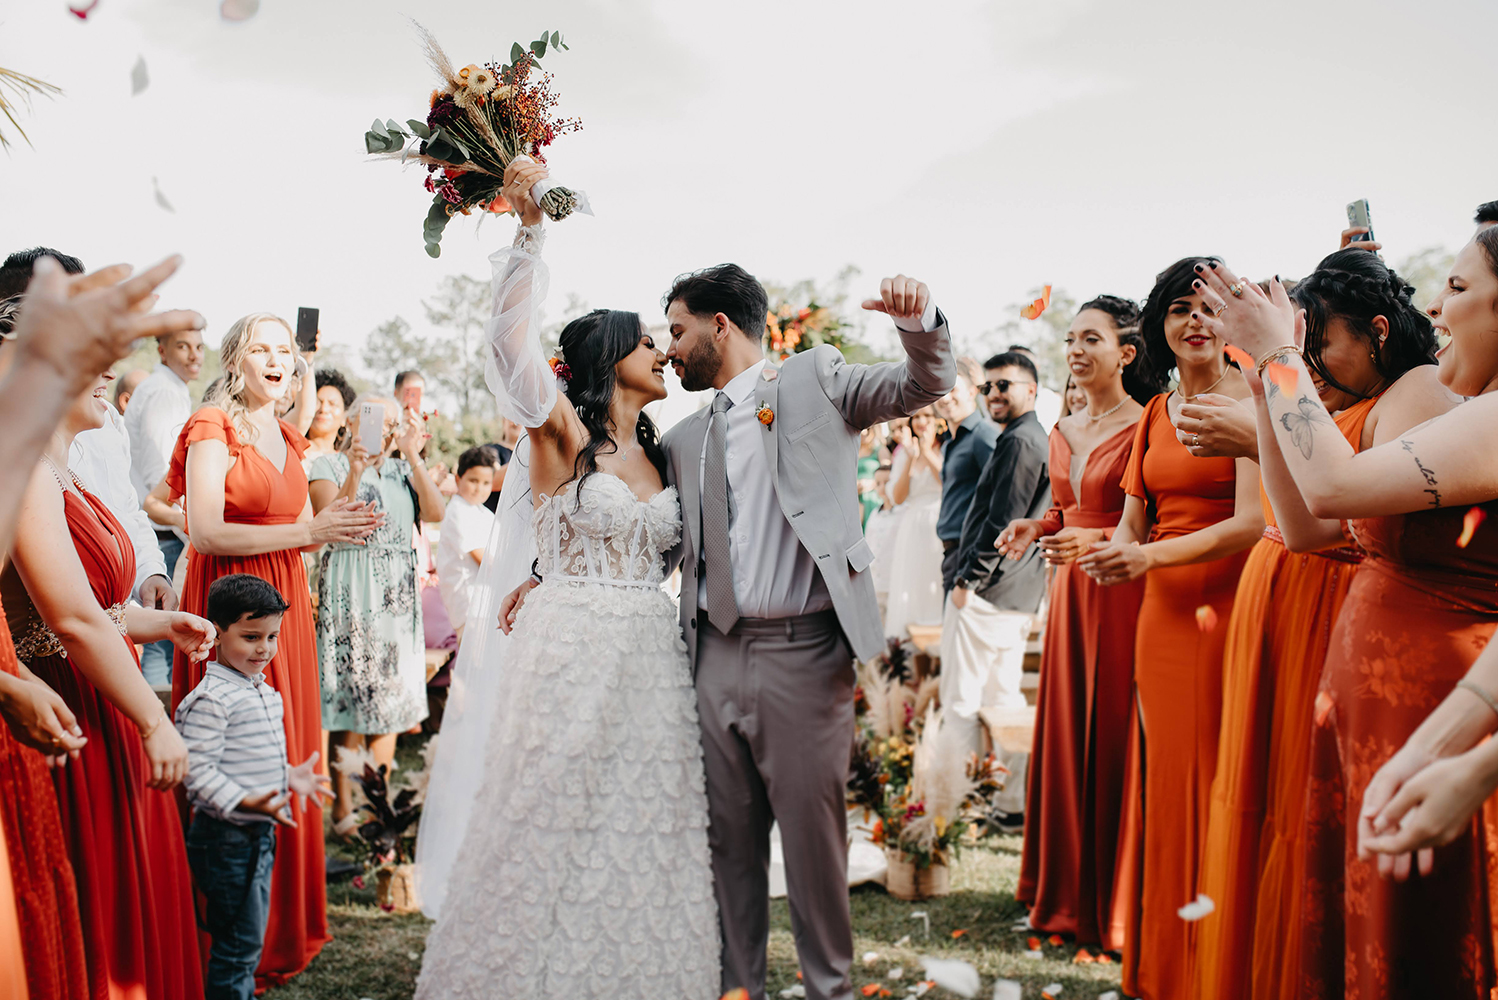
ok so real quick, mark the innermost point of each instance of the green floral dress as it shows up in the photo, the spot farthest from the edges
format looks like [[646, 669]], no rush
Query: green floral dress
[[370, 646]]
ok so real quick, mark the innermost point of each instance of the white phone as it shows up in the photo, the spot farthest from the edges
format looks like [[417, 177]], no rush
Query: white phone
[[372, 427], [1358, 218]]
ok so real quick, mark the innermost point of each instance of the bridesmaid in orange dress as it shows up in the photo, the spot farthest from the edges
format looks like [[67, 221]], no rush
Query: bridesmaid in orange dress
[[1083, 713], [1418, 614], [247, 509], [72, 568], [1186, 527], [1373, 354]]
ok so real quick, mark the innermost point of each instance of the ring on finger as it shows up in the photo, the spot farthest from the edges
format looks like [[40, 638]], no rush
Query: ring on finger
[[1219, 309], [1237, 289], [1196, 440]]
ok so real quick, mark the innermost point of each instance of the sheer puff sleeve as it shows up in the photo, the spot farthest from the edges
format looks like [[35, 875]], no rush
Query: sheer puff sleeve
[[516, 367], [209, 423]]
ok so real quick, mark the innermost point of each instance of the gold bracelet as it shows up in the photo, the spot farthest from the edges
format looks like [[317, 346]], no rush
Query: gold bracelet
[[150, 730], [1275, 355], [1486, 698]]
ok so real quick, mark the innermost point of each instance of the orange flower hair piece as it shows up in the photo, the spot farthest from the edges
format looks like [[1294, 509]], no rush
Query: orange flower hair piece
[[561, 369], [1034, 309], [1470, 523], [1240, 357], [1206, 618], [1284, 376]]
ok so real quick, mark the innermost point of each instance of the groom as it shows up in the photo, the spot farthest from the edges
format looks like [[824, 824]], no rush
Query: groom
[[776, 600]]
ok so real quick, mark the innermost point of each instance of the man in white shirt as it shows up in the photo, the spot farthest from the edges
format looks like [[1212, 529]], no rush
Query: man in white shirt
[[465, 534], [153, 420]]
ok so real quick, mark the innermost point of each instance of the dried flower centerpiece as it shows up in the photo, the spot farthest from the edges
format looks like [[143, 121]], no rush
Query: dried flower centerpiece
[[481, 118]]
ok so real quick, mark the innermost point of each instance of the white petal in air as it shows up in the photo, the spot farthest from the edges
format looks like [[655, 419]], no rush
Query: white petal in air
[[1202, 906], [139, 78], [238, 10], [161, 198], [1110, 995], [1008, 989], [954, 976]]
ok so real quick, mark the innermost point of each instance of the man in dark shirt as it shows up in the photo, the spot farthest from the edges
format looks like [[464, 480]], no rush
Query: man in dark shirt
[[993, 598], [963, 458]]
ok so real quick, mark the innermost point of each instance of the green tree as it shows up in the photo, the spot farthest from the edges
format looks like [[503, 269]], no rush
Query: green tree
[[392, 347], [459, 310], [1426, 270]]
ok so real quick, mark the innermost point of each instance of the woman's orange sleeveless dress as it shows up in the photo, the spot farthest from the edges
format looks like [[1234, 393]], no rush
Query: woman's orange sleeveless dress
[[1082, 716], [1178, 685], [124, 839], [256, 492], [1419, 612], [1276, 647]]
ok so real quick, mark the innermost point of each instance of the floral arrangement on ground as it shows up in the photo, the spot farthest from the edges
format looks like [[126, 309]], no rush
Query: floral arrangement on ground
[[386, 837], [909, 772]]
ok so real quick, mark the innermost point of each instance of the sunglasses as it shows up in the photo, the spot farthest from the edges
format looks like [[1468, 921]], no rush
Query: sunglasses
[[1002, 385]]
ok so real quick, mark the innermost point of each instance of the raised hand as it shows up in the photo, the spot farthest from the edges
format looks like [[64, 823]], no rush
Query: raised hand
[[80, 325], [308, 784], [411, 435], [1249, 319], [1348, 240], [520, 176], [902, 299]]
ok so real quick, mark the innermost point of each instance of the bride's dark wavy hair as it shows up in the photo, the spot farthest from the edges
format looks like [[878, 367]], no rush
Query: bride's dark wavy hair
[[592, 345]]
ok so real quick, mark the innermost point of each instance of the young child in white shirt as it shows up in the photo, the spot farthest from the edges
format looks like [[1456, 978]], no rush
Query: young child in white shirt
[[465, 533]]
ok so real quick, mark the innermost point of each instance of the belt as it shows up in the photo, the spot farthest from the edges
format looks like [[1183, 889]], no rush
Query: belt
[[790, 626], [1342, 554]]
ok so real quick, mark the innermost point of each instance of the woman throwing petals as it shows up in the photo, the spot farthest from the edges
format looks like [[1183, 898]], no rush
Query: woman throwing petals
[[1416, 617], [1186, 527]]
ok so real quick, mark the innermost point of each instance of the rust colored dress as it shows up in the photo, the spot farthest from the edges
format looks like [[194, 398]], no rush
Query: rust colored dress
[[1178, 684], [1277, 641], [256, 492], [46, 894], [1082, 716], [1419, 612], [124, 839]]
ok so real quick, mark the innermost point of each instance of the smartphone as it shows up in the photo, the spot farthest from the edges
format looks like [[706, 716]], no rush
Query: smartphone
[[1357, 218], [372, 427], [306, 329], [411, 398]]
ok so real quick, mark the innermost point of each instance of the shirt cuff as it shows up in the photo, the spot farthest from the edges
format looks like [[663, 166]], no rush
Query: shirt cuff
[[928, 320]]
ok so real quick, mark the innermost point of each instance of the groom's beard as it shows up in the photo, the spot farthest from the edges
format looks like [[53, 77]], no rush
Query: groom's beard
[[700, 367]]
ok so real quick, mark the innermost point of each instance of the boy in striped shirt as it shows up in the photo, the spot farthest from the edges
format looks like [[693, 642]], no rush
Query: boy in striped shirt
[[238, 779]]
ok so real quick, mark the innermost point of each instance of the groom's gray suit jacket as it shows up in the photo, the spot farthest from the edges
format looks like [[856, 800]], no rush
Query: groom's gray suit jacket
[[820, 404]]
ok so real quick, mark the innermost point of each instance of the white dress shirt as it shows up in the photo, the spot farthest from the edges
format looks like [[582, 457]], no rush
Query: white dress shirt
[[154, 419], [773, 574], [465, 527], [101, 459]]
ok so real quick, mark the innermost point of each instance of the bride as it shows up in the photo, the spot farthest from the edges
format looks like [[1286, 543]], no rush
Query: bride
[[583, 867]]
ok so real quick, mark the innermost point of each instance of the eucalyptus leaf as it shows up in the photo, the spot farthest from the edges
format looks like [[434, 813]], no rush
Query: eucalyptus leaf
[[378, 128], [393, 127], [539, 48], [434, 250], [516, 53], [376, 143], [420, 128], [556, 39]]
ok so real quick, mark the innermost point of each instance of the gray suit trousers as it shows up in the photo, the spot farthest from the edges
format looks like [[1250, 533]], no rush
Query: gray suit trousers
[[775, 698]]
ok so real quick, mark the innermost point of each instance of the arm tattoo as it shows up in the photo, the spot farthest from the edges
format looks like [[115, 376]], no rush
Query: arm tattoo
[[1428, 474], [1300, 425]]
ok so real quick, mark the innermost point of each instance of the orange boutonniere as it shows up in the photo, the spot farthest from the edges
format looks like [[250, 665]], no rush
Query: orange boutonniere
[[765, 414]]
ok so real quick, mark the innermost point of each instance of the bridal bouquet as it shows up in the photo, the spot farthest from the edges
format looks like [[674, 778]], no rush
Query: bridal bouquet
[[482, 117]]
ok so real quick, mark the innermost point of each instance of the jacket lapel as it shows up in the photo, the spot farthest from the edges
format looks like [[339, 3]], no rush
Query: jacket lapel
[[691, 475], [767, 393]]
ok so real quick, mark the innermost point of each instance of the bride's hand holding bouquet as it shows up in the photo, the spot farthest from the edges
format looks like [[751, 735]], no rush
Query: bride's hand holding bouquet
[[520, 177]]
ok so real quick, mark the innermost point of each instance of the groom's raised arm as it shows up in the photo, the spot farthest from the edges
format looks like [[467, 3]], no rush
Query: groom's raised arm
[[869, 394]]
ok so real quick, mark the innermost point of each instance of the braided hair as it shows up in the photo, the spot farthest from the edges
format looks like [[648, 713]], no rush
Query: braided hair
[[1355, 286], [593, 345], [1138, 380]]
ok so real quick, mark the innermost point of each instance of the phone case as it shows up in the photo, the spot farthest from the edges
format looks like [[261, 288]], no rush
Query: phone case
[[371, 427]]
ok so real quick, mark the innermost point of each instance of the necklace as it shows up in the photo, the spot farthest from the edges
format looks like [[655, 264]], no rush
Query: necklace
[[1110, 411], [624, 453], [1214, 385]]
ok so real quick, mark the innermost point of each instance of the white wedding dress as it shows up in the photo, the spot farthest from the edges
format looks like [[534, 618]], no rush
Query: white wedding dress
[[584, 871], [915, 590]]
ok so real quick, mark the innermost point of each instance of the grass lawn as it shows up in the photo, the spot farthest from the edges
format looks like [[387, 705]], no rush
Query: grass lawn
[[376, 955]]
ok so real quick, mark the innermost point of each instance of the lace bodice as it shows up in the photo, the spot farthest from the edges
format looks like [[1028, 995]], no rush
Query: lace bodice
[[611, 537]]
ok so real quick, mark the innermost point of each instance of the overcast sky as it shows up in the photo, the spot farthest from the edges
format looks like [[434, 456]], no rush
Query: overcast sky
[[984, 147]]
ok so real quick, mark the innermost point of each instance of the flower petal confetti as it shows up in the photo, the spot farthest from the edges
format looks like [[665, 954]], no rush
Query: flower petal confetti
[[1197, 908], [1083, 957], [1242, 358], [82, 11], [737, 994], [140, 79], [1324, 705], [1056, 940], [1284, 376], [898, 972], [958, 933], [1008, 989], [1470, 523], [238, 10], [1035, 953], [1034, 309], [1110, 995], [870, 957], [955, 976], [1051, 992], [1033, 943], [161, 198], [872, 989], [1206, 618]]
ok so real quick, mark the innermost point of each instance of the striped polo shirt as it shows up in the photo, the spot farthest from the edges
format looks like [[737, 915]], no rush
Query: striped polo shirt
[[236, 742]]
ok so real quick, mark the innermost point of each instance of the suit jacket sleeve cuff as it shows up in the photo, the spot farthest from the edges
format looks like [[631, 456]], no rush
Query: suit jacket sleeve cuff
[[928, 320]]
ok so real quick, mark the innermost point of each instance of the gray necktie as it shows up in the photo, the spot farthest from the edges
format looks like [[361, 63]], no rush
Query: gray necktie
[[722, 607]]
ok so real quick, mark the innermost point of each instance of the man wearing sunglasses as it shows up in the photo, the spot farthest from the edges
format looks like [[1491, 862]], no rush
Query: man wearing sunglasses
[[993, 599]]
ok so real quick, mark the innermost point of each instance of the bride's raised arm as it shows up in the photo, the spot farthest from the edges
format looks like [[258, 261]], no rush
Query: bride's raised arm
[[516, 369]]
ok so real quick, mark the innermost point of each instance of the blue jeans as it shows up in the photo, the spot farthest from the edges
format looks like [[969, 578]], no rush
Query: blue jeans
[[156, 658], [232, 866]]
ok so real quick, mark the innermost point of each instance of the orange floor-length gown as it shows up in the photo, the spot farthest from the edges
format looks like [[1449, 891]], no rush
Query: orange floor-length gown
[[1276, 647], [256, 492], [123, 838], [42, 875], [1419, 612], [1178, 685], [1082, 715]]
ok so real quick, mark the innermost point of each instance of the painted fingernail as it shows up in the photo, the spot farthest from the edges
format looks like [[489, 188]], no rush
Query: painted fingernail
[[1212, 265], [1198, 269]]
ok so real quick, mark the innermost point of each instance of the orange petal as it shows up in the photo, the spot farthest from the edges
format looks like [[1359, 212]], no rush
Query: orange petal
[[1034, 309], [1284, 376], [1083, 957], [1033, 943], [1324, 705], [958, 933], [1103, 959], [1474, 517], [737, 994], [1056, 940], [798, 975], [1206, 618], [871, 989], [1244, 360]]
